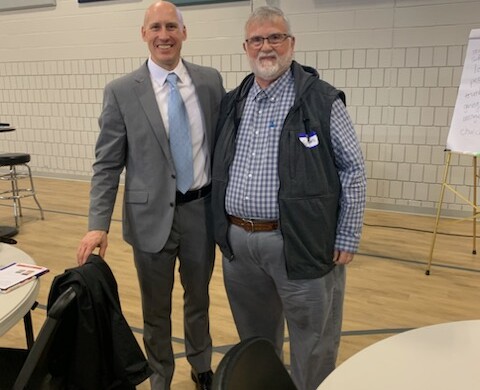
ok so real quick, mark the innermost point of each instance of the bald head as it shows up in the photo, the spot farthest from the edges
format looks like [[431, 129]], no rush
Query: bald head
[[164, 32], [162, 6]]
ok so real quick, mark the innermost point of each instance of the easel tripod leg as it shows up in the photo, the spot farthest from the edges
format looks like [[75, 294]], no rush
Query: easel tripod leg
[[442, 193], [474, 250]]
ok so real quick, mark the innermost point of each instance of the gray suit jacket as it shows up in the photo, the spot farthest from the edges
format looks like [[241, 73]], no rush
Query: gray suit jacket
[[132, 136]]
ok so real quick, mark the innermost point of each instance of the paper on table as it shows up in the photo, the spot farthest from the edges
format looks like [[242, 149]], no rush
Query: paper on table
[[16, 274]]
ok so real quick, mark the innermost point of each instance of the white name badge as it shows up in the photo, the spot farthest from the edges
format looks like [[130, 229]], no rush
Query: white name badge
[[309, 140]]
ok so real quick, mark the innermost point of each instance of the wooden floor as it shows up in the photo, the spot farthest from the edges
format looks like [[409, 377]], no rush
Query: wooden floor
[[387, 289]]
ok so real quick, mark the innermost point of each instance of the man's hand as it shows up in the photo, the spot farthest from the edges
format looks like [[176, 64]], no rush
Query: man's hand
[[93, 239], [342, 257]]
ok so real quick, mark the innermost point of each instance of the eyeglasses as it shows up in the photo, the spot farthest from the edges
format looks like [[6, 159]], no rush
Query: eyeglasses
[[276, 39]]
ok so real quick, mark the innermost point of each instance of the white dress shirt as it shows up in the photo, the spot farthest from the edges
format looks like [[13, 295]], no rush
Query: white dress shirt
[[201, 156]]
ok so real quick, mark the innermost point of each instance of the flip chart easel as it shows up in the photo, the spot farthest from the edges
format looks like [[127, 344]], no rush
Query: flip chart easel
[[464, 134], [473, 203]]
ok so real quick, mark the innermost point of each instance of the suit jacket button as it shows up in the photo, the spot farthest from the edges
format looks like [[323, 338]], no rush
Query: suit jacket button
[[172, 204], [173, 176]]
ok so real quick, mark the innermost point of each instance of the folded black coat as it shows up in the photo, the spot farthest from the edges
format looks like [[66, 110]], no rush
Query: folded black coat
[[95, 347]]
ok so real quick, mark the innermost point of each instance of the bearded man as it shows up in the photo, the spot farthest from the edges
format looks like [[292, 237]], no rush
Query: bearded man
[[288, 200]]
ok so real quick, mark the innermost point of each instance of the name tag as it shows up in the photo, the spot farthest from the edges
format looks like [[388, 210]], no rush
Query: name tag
[[309, 140]]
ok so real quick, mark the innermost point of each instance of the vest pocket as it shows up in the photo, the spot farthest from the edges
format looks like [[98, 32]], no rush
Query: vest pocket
[[292, 139]]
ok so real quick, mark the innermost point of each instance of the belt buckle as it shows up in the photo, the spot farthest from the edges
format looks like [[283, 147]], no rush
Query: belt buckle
[[250, 223]]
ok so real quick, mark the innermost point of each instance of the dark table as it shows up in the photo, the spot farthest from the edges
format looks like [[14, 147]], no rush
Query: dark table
[[7, 231]]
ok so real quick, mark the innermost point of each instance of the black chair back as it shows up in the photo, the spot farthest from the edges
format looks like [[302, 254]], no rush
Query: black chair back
[[252, 364], [36, 371]]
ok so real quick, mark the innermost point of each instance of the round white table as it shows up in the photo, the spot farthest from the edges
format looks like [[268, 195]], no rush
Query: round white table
[[15, 304], [441, 357]]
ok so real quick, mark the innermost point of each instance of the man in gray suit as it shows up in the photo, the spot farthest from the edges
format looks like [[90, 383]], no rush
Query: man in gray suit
[[160, 221]]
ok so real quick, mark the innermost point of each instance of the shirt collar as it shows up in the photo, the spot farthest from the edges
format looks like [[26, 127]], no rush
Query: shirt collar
[[274, 90], [160, 74]]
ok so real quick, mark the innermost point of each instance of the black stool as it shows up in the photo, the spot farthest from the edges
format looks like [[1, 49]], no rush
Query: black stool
[[17, 169]]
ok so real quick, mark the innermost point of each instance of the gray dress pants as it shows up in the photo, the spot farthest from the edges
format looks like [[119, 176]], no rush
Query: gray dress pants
[[191, 241], [261, 297]]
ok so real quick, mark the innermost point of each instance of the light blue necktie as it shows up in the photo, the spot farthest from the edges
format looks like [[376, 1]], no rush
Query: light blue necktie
[[180, 137]]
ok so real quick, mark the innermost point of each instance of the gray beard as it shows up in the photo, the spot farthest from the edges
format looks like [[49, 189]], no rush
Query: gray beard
[[273, 71]]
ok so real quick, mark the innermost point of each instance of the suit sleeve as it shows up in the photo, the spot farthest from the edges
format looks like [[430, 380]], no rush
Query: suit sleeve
[[110, 157]]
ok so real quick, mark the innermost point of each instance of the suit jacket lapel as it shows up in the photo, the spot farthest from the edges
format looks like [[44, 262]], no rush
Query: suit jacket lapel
[[148, 101]]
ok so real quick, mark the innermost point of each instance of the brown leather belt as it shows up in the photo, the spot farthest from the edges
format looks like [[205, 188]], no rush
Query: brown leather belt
[[254, 225]]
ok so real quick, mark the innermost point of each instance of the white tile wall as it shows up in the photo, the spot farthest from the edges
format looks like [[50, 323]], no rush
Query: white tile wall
[[399, 63]]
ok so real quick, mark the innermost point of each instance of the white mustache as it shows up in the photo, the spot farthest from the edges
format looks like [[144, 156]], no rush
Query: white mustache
[[269, 54]]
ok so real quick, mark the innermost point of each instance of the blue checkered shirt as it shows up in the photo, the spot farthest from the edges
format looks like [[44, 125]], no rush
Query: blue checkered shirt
[[252, 190]]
